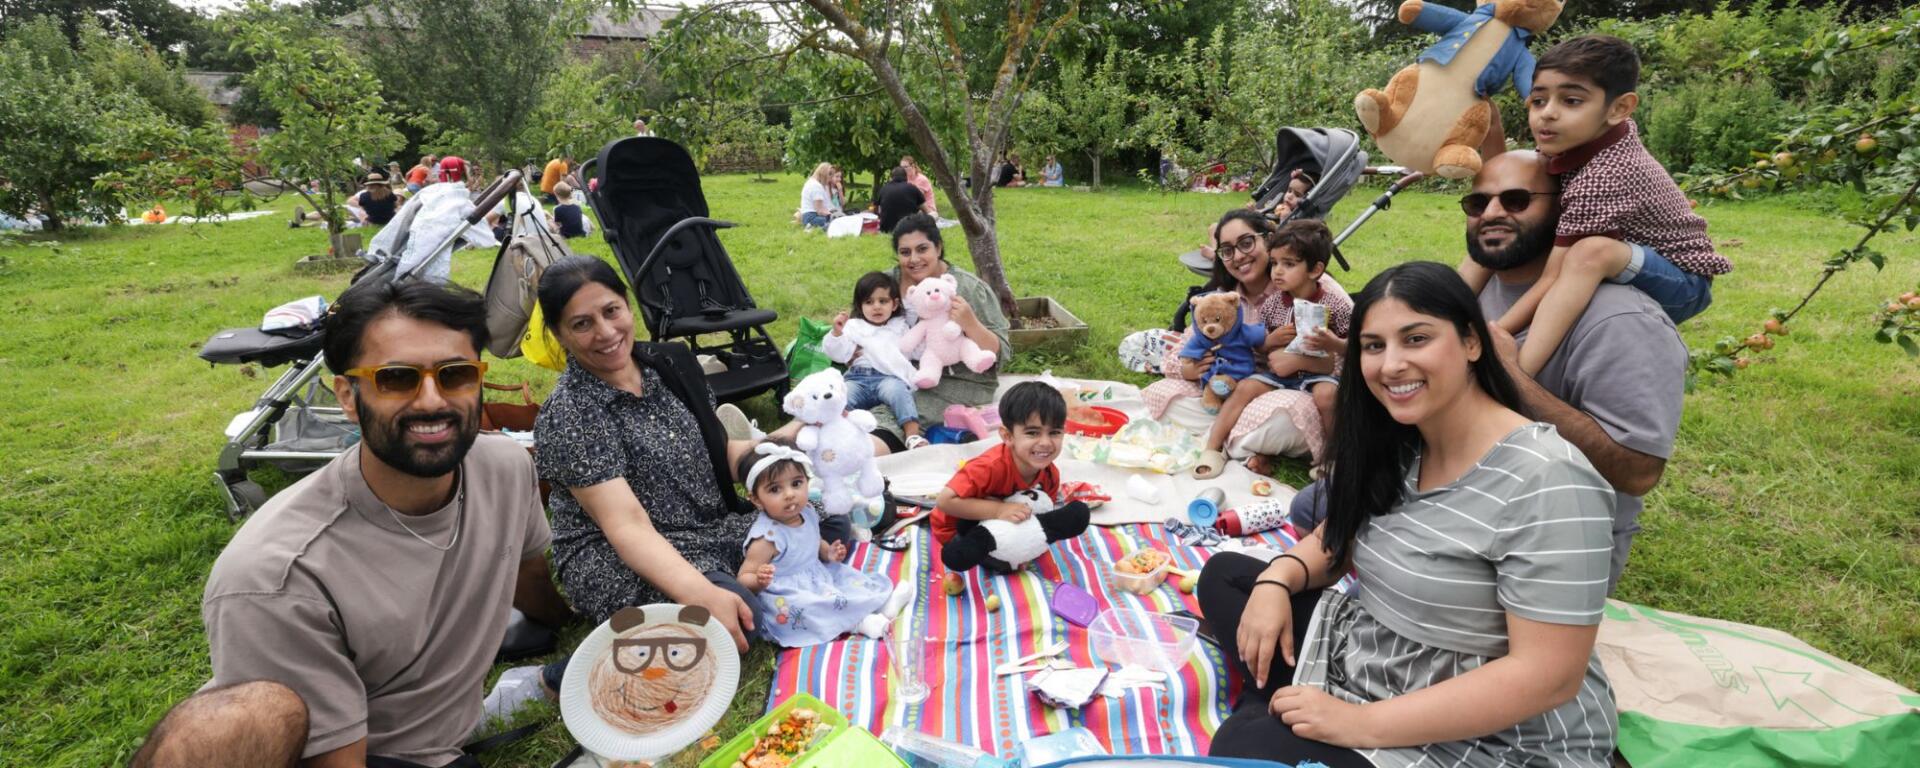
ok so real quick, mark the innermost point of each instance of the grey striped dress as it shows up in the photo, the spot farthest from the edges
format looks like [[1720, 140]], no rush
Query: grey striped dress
[[1527, 531]]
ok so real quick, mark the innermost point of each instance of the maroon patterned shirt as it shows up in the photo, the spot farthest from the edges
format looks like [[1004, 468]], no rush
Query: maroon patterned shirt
[[1611, 187]]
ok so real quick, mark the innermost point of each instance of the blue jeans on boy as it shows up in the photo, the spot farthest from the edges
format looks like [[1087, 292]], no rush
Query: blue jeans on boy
[[815, 219], [1682, 294], [867, 387]]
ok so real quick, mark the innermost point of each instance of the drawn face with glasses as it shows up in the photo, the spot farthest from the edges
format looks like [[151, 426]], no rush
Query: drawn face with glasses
[[656, 673]]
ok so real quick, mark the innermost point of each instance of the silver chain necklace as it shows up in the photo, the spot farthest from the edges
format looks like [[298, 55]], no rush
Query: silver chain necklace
[[459, 517]]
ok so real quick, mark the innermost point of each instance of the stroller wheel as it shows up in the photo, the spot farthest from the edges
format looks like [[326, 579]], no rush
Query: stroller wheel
[[244, 496]]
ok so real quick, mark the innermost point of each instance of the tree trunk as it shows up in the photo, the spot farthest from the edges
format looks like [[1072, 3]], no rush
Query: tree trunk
[[49, 215], [1096, 170]]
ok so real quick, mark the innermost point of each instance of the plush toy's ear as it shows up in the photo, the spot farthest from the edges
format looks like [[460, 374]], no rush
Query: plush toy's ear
[[951, 283], [1195, 300], [795, 401]]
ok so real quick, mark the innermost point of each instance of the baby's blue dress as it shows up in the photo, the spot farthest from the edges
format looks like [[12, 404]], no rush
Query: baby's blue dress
[[810, 601]]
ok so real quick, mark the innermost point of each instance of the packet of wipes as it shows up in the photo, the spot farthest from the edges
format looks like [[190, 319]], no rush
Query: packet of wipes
[[1308, 319]]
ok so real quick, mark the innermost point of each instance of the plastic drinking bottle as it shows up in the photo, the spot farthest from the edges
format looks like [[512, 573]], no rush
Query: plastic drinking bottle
[[1263, 515]]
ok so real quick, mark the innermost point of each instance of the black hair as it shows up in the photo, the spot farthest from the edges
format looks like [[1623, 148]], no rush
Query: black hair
[[1030, 398], [899, 174], [750, 458], [564, 278], [1222, 280], [1608, 61], [444, 304], [922, 223], [1308, 239], [1369, 449], [873, 281]]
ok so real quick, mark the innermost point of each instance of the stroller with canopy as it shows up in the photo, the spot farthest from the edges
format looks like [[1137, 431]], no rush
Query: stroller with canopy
[[1333, 160], [297, 424], [654, 216]]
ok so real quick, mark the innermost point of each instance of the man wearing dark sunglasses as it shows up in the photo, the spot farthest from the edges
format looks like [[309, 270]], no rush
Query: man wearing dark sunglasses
[[378, 588], [1613, 389]]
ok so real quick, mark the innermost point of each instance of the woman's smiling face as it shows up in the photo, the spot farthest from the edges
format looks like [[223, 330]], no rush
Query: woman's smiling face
[[1244, 252], [597, 327], [1415, 364], [919, 259]]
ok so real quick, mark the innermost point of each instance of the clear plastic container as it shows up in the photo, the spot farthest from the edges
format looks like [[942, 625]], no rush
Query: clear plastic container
[[1141, 583], [919, 750], [1156, 641]]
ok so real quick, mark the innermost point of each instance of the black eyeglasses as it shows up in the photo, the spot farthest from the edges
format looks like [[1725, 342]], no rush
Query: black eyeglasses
[[1511, 201], [677, 653], [1246, 244]]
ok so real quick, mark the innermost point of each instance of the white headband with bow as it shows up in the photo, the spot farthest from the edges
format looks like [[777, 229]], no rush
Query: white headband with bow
[[770, 454]]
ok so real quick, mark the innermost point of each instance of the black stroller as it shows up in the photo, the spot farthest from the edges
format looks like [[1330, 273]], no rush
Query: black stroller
[[1333, 159], [654, 216], [297, 424]]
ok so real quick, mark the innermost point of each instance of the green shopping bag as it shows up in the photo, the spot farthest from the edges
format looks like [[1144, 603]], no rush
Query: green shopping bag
[[804, 356], [1698, 692]]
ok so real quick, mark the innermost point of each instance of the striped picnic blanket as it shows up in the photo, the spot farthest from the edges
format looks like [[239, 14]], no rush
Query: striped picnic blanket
[[965, 642]]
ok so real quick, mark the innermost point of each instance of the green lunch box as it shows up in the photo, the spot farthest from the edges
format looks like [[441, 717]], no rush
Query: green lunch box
[[844, 745]]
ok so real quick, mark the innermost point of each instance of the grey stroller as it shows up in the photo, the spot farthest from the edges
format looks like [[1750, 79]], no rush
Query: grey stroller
[[297, 424], [1333, 160]]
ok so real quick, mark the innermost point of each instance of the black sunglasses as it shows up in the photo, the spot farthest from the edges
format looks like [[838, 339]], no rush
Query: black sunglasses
[[1512, 201]]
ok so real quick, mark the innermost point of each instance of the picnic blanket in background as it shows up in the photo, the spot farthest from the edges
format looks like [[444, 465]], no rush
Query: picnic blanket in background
[[968, 704]]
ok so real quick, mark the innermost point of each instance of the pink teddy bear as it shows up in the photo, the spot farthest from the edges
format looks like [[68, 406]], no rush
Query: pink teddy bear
[[936, 338]]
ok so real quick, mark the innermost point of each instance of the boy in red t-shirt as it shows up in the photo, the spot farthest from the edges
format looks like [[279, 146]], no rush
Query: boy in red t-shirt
[[1033, 421]]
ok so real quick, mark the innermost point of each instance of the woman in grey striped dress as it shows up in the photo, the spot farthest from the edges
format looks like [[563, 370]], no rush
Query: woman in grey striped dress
[[1481, 542]]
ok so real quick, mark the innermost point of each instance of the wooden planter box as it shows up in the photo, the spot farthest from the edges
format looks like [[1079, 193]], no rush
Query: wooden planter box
[[1068, 331]]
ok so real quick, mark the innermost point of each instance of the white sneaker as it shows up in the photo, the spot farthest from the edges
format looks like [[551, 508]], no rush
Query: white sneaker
[[738, 426], [916, 441], [516, 688]]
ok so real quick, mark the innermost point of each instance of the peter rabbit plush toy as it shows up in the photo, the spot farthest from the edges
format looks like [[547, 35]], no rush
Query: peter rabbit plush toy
[[1435, 116]]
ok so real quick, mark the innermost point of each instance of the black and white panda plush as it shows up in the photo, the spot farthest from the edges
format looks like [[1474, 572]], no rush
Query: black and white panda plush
[[1003, 546]]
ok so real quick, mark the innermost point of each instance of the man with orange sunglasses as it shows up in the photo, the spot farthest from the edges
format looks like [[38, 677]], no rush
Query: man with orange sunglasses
[[375, 591]]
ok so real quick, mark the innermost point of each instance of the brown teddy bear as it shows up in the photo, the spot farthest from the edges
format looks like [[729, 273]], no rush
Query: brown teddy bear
[[1219, 329], [1435, 116]]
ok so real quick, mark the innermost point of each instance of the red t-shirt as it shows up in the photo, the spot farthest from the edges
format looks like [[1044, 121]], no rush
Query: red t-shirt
[[991, 475]]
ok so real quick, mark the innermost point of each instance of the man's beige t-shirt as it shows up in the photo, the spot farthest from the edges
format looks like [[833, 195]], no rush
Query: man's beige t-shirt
[[386, 636]]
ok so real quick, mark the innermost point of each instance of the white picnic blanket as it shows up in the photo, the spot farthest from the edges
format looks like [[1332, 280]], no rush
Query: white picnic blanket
[[926, 470]]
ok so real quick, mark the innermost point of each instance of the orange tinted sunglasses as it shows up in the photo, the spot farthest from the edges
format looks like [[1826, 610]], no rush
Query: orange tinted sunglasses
[[404, 380]]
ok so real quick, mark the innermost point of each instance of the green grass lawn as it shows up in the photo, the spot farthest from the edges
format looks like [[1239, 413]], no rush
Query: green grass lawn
[[1790, 500]]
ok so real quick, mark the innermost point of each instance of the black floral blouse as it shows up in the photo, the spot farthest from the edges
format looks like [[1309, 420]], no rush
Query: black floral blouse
[[590, 432]]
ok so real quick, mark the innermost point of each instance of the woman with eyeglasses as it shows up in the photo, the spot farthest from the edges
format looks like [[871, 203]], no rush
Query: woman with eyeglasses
[[1242, 265], [1482, 541]]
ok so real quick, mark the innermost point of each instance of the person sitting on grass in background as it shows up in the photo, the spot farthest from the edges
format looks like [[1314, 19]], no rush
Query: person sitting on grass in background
[[375, 204], [1051, 174], [557, 171], [816, 199], [920, 182], [340, 587], [417, 176], [898, 199], [568, 220], [867, 341], [1033, 423], [802, 580], [1299, 251], [1622, 218]]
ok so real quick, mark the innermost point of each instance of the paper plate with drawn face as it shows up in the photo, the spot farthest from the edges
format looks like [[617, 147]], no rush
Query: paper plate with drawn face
[[649, 681]]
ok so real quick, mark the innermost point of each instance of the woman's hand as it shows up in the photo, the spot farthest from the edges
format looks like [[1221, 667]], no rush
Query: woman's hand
[[1195, 370], [1318, 715], [839, 322], [962, 313], [1266, 624], [731, 611]]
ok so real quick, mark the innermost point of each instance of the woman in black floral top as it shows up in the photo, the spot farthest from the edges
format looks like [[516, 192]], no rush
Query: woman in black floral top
[[641, 513]]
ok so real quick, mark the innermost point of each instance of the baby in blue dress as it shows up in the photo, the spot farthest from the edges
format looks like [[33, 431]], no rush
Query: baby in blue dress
[[810, 595]]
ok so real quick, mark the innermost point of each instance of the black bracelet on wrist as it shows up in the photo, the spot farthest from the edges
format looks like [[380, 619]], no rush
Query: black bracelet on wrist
[[1275, 582], [1306, 573]]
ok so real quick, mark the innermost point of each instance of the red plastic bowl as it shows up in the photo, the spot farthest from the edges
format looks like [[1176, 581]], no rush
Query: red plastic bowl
[[1115, 420]]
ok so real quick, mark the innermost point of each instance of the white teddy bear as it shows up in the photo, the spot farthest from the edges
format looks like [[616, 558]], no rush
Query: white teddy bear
[[836, 440]]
